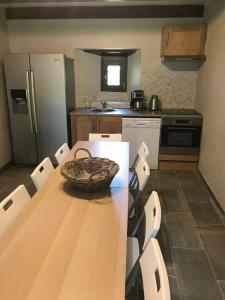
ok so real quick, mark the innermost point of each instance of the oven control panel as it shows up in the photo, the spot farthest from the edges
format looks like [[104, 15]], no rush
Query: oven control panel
[[182, 120]]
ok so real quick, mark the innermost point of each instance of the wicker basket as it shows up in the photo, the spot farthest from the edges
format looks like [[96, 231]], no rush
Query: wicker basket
[[89, 174]]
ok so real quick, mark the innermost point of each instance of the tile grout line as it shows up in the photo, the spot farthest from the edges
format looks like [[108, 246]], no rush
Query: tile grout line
[[170, 245], [178, 287], [174, 268], [223, 295], [214, 274], [198, 233], [205, 251], [193, 220]]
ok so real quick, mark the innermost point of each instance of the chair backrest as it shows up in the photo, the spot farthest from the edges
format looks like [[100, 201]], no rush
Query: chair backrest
[[115, 137], [42, 172], [11, 206], [154, 274], [149, 221], [143, 172], [152, 212], [143, 151], [138, 182], [61, 153]]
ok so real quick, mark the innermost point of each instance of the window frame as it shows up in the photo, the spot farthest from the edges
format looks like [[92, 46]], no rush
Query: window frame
[[114, 60]]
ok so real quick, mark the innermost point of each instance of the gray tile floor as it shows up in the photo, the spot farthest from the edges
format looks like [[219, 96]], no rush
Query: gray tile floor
[[192, 234], [14, 176]]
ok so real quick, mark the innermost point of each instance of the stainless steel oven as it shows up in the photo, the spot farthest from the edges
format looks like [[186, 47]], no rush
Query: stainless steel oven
[[181, 135]]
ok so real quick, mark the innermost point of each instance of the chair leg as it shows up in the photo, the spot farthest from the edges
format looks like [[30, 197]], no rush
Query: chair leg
[[134, 203], [131, 225], [132, 278]]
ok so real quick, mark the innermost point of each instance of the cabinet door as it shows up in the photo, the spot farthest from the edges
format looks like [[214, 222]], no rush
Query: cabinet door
[[183, 40], [81, 126], [109, 124]]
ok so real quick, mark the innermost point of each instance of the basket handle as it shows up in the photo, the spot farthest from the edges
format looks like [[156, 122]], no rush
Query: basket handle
[[82, 149], [96, 172]]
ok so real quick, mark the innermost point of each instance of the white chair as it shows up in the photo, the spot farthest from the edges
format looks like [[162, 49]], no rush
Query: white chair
[[151, 219], [143, 151], [154, 274], [12, 205], [42, 172], [137, 183], [115, 137], [61, 153]]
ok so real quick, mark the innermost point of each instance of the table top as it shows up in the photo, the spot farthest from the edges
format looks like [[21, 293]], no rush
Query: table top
[[63, 246]]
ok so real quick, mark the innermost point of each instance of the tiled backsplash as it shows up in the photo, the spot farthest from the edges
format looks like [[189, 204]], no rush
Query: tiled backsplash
[[112, 96], [101, 96], [176, 89]]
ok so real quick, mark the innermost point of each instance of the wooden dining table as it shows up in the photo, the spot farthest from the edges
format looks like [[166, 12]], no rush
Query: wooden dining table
[[66, 244]]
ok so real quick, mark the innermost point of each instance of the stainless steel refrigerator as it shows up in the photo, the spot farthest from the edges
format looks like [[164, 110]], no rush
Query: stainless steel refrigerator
[[40, 91]]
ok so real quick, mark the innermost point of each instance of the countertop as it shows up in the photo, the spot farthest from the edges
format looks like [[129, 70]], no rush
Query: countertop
[[126, 112]]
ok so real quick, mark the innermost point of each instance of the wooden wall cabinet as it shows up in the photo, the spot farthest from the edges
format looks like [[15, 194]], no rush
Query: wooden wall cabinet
[[183, 41], [81, 126]]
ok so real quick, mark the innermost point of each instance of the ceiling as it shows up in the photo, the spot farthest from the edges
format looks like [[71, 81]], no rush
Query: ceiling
[[100, 2], [103, 9]]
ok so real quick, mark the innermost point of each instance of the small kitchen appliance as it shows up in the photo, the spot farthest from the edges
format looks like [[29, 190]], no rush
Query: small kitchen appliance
[[154, 103], [181, 135], [138, 130], [137, 100]]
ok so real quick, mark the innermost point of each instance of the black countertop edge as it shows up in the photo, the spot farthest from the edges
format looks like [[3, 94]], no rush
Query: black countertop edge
[[127, 112]]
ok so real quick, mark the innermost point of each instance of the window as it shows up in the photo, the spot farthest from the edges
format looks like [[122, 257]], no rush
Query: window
[[114, 73]]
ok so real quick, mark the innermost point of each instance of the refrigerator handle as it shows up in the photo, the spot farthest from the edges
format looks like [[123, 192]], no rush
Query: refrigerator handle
[[33, 101], [28, 101]]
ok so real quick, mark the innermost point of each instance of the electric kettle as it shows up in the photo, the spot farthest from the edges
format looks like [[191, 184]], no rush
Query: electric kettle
[[154, 103]]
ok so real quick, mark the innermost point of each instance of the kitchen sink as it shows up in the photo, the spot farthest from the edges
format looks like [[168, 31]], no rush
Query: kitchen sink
[[103, 109]]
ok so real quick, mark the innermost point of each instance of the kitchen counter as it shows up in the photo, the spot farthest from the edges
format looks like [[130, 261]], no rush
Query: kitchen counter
[[126, 112], [85, 121]]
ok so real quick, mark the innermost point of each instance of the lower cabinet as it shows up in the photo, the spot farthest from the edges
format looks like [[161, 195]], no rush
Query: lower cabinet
[[178, 162], [81, 126]]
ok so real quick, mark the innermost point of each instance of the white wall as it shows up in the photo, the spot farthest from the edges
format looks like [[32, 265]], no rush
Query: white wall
[[87, 74], [144, 34], [134, 71], [88, 78], [5, 142], [210, 101]]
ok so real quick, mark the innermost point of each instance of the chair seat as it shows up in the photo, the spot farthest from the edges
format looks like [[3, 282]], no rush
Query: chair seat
[[132, 253]]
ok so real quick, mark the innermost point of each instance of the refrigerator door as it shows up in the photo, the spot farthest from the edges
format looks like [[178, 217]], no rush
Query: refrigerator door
[[49, 103], [17, 73]]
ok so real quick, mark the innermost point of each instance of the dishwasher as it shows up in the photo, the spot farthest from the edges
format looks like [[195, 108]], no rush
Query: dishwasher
[[138, 130]]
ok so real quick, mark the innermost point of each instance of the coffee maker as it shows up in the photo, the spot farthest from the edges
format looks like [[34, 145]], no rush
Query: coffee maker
[[137, 100]]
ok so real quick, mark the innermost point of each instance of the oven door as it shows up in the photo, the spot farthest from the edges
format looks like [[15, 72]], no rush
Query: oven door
[[180, 139]]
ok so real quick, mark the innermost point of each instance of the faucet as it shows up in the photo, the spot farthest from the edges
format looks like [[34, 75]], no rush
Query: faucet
[[104, 104]]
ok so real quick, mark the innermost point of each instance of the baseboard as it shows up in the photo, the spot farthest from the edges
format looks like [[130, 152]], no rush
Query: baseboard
[[5, 166], [218, 205], [177, 165]]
